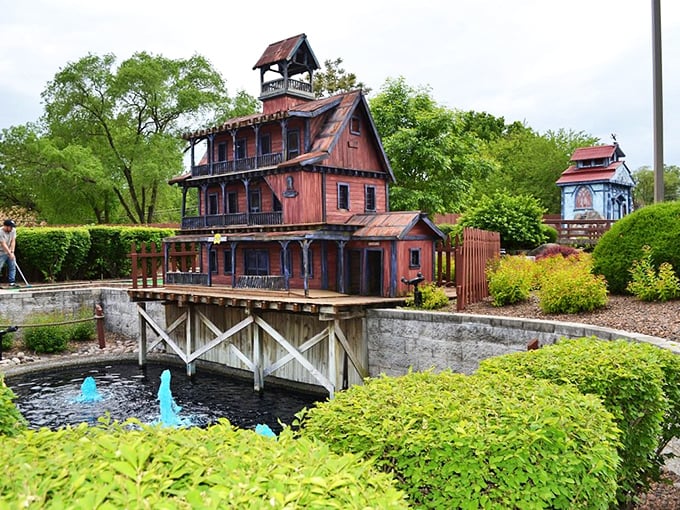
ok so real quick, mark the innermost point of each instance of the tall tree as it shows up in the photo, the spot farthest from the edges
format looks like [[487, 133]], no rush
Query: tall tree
[[643, 193], [334, 79], [126, 121], [433, 158]]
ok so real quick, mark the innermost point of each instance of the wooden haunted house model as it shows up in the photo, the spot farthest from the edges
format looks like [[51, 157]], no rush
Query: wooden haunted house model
[[597, 186], [297, 196]]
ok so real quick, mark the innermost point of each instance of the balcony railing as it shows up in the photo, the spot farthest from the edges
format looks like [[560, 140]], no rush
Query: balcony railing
[[226, 220], [274, 86], [237, 165]]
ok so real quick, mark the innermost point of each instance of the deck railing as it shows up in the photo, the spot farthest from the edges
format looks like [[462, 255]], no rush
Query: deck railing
[[226, 220], [237, 165], [271, 87], [579, 232], [183, 265]]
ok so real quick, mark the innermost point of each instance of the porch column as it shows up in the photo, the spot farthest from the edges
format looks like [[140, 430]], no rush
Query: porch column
[[223, 185], [184, 201], [285, 259], [211, 140], [246, 185], [232, 245], [192, 144], [324, 265], [209, 248], [204, 202], [284, 137], [341, 266], [393, 268], [257, 145]]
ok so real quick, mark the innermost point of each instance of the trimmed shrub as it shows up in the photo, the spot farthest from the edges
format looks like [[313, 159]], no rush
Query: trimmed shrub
[[213, 468], [549, 233], [73, 267], [648, 284], [433, 297], [635, 382], [572, 290], [11, 420], [42, 337], [657, 226], [510, 280], [517, 218], [492, 441], [81, 331], [43, 249]]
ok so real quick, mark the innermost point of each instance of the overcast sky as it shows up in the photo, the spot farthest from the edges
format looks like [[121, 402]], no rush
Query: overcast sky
[[584, 65]]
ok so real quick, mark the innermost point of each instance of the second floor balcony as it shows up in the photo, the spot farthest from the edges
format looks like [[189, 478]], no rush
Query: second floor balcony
[[233, 219], [237, 165]]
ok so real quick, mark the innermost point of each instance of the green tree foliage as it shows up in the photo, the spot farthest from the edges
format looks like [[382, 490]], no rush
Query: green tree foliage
[[334, 79], [110, 137], [643, 193], [517, 218], [530, 163], [432, 157]]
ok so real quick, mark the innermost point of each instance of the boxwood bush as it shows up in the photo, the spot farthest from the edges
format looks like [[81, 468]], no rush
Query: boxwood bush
[[492, 441], [638, 384], [218, 467], [656, 226]]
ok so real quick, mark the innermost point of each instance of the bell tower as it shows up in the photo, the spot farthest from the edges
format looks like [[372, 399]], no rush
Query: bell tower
[[293, 61]]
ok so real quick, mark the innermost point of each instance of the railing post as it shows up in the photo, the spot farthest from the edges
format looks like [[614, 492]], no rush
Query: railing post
[[99, 317], [133, 258]]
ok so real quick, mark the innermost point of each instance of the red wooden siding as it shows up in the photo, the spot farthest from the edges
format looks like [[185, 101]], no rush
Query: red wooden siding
[[356, 151], [306, 206], [356, 196]]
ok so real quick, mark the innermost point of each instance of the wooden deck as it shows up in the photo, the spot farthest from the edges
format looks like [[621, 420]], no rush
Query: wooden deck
[[322, 302]]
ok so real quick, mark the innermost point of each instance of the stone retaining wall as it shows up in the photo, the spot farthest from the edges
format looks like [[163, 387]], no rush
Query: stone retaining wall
[[399, 340]]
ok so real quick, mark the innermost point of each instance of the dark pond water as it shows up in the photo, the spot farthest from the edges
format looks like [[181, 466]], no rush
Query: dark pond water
[[49, 398]]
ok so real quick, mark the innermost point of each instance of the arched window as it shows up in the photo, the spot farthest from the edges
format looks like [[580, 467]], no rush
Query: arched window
[[584, 198]]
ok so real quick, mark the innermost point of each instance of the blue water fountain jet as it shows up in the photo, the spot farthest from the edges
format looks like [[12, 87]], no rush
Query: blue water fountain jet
[[169, 408], [88, 391]]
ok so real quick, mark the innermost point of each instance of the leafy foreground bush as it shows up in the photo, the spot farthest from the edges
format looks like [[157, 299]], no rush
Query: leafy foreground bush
[[492, 441], [572, 289], [656, 226], [11, 420], [510, 280], [214, 468], [649, 284], [638, 384]]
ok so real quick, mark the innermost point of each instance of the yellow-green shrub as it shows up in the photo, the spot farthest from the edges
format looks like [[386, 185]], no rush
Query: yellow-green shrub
[[638, 383], [649, 284], [511, 280], [572, 290], [154, 467], [11, 420], [492, 441], [433, 297]]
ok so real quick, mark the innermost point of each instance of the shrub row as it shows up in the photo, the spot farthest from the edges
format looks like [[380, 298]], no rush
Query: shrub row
[[72, 253], [564, 284], [637, 383], [52, 332], [111, 466], [480, 441]]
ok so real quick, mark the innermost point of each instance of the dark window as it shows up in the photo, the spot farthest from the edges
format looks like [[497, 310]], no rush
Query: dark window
[[343, 196], [293, 144], [310, 264], [212, 261], [232, 202], [277, 203], [222, 151], [255, 200], [265, 144], [212, 203], [241, 149], [256, 262], [369, 198], [355, 126], [414, 258], [228, 269]]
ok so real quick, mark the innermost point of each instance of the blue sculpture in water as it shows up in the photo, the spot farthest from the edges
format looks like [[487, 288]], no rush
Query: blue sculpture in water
[[264, 430], [169, 408], [88, 391]]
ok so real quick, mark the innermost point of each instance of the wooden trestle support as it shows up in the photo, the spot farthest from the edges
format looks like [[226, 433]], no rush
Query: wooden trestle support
[[306, 348]]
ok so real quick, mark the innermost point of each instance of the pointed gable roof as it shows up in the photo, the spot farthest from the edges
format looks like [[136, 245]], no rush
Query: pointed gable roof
[[285, 51], [391, 225], [597, 152]]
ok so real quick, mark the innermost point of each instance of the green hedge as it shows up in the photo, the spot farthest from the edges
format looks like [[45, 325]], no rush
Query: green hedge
[[492, 441], [218, 467], [656, 226], [70, 253], [638, 384]]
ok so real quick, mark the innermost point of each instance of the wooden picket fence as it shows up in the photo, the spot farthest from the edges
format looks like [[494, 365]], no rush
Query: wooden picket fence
[[470, 253], [148, 269]]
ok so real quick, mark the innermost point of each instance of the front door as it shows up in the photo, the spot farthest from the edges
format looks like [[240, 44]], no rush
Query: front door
[[374, 276]]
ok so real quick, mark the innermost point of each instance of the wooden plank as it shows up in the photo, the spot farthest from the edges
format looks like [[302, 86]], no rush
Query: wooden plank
[[159, 331], [340, 335], [303, 348]]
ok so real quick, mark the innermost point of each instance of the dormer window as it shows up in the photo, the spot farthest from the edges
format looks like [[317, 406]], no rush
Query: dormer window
[[355, 125]]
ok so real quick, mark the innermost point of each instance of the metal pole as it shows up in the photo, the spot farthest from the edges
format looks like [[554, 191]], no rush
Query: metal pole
[[658, 102], [99, 317]]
